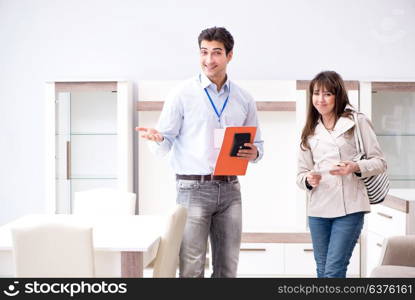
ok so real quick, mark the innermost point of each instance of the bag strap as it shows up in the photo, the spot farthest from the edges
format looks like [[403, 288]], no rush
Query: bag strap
[[358, 135]]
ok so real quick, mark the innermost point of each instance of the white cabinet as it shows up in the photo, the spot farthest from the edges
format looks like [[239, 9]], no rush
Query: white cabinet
[[261, 260], [390, 106], [374, 249], [89, 133], [299, 261], [267, 207], [285, 260], [386, 220]]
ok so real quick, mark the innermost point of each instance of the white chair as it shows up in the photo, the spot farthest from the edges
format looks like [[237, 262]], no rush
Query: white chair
[[53, 250], [397, 258], [104, 201], [166, 261]]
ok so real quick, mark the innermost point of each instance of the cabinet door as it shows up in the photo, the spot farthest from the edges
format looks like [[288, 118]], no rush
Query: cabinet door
[[392, 110], [62, 152], [374, 250], [386, 221], [92, 139], [299, 261], [87, 143], [261, 260]]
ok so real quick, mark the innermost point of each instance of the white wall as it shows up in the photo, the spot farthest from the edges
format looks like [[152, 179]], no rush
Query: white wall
[[156, 40]]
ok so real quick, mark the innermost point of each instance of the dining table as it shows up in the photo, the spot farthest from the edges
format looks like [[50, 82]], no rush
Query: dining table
[[135, 237]]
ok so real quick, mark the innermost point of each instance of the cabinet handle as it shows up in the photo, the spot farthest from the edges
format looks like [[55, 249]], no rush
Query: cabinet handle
[[384, 215], [308, 250], [68, 160], [379, 245], [253, 249]]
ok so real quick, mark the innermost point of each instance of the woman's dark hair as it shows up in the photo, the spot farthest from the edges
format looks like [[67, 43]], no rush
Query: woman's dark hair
[[219, 34], [333, 83]]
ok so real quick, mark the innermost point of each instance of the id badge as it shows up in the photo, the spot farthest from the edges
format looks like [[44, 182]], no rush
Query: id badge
[[218, 137]]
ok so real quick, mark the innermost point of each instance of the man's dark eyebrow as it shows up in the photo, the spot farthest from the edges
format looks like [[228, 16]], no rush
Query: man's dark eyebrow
[[204, 48]]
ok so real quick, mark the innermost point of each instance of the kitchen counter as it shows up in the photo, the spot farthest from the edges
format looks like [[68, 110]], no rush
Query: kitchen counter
[[403, 200], [400, 199], [404, 194]]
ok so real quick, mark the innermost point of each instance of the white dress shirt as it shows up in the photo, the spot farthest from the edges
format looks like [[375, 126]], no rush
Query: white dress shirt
[[188, 122]]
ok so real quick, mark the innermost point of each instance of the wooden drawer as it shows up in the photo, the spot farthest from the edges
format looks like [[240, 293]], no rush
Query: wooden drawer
[[386, 221], [299, 261], [261, 259]]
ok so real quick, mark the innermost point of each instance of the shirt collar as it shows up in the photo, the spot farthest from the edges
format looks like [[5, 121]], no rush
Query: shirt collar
[[205, 82]]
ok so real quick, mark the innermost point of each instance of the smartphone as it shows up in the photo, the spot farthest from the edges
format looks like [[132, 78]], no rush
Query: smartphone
[[239, 140]]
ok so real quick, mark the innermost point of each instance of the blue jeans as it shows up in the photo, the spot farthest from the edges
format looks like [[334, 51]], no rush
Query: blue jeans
[[213, 209], [333, 242]]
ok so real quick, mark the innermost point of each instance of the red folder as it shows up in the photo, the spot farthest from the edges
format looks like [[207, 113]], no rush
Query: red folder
[[227, 164]]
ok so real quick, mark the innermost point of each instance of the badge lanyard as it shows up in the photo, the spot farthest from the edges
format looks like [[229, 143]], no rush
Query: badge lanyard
[[224, 104]]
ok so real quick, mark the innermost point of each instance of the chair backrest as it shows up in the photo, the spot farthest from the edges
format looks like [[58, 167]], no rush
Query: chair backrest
[[398, 251], [53, 250], [166, 261], [104, 201]]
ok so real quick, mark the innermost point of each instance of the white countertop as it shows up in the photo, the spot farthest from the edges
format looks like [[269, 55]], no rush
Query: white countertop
[[404, 194]]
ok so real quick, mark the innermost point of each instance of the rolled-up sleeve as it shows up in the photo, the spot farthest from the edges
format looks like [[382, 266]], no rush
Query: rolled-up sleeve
[[375, 162]]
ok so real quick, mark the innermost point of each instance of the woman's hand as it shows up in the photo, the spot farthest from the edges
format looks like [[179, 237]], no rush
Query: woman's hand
[[344, 168], [313, 178]]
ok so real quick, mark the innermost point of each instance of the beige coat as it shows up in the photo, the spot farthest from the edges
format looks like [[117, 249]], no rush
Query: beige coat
[[337, 196]]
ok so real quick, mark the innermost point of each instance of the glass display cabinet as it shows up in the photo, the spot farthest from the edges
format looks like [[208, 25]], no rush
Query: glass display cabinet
[[391, 107], [89, 139]]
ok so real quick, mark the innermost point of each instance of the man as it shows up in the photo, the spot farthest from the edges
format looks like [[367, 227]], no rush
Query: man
[[192, 116]]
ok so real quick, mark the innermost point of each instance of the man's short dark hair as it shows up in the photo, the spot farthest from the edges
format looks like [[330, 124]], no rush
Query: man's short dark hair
[[219, 34]]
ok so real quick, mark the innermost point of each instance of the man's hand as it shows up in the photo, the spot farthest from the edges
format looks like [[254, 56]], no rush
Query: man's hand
[[249, 154], [345, 168], [150, 134]]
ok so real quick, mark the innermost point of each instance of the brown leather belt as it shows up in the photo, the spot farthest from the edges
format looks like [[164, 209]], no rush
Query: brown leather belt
[[206, 177]]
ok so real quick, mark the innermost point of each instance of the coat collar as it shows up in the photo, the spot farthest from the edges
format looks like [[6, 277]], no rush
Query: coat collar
[[342, 125]]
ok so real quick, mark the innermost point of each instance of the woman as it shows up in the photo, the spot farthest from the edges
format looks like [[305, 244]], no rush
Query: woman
[[327, 171]]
